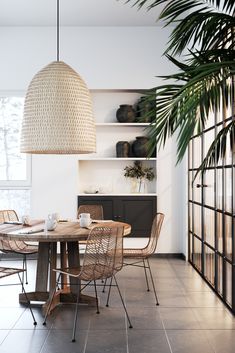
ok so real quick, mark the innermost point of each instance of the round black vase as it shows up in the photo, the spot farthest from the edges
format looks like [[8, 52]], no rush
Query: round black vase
[[140, 146], [143, 109], [125, 114], [122, 149]]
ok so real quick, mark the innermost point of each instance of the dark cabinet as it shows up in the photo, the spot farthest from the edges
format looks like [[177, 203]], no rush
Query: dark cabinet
[[138, 211]]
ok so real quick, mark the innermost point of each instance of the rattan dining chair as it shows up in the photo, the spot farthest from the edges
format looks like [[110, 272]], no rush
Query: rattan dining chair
[[9, 271], [96, 211], [140, 257], [103, 259], [16, 246]]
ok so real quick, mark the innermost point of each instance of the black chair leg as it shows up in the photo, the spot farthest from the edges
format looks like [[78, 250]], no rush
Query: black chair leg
[[26, 270], [151, 276], [75, 319], [28, 301], [96, 297], [146, 277], [105, 282], [110, 285], [124, 306]]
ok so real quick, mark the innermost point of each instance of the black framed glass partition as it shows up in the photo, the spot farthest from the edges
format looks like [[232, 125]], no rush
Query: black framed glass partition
[[211, 213]]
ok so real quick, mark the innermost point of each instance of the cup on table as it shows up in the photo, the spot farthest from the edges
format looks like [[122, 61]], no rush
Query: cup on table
[[50, 224], [85, 219], [25, 220], [55, 216]]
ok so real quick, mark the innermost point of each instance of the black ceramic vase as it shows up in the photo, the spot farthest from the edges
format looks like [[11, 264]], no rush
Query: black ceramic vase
[[125, 114], [143, 110], [123, 149], [140, 146]]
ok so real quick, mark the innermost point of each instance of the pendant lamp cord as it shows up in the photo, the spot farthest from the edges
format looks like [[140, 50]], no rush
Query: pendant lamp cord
[[58, 31]]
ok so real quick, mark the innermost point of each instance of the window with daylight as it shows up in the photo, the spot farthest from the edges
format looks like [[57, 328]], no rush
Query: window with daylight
[[15, 168]]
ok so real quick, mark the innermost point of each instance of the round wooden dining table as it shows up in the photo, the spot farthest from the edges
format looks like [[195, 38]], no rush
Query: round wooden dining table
[[68, 235]]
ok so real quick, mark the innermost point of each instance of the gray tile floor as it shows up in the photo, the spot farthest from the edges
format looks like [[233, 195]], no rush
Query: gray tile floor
[[190, 318]]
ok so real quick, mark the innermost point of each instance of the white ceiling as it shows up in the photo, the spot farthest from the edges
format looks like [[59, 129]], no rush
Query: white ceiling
[[75, 13]]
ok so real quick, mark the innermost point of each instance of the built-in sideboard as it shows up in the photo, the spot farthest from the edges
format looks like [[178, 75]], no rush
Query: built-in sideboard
[[138, 211]]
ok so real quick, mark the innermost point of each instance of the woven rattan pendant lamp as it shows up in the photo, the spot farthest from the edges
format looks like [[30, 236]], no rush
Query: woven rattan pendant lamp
[[58, 115]]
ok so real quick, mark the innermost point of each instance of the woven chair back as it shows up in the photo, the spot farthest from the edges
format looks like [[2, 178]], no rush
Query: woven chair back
[[96, 211], [8, 215], [104, 253], [155, 233], [10, 245]]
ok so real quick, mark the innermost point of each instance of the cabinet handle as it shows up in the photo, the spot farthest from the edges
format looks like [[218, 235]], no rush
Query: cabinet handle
[[201, 186]]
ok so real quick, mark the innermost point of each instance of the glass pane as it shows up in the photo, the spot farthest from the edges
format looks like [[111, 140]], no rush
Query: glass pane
[[228, 236], [228, 189], [219, 222], [197, 220], [190, 187], [190, 217], [190, 155], [219, 115], [210, 120], [228, 155], [197, 260], [208, 138], [228, 283], [197, 189], [209, 226], [18, 200], [220, 274], [197, 152], [209, 193], [210, 265], [218, 128], [190, 246], [12, 162], [219, 186]]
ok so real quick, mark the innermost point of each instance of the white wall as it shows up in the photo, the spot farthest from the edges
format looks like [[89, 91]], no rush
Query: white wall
[[106, 57]]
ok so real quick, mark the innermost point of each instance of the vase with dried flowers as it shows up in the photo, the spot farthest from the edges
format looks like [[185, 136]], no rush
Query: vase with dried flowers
[[138, 175]]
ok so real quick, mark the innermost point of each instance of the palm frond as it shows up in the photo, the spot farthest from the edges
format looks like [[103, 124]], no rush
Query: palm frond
[[206, 29], [184, 107], [207, 23], [203, 82], [218, 148]]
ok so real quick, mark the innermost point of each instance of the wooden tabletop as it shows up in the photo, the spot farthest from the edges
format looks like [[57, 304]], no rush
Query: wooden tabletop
[[65, 231]]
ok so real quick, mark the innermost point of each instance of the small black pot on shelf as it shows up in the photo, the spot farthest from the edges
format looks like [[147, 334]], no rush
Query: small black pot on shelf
[[140, 146], [125, 113], [143, 109], [123, 149]]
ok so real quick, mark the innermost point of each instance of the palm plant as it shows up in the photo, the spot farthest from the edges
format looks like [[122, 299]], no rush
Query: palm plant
[[204, 39]]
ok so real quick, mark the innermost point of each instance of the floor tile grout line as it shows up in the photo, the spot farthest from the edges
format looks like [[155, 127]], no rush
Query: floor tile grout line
[[126, 322], [8, 333], [87, 335], [44, 342], [23, 312], [165, 332]]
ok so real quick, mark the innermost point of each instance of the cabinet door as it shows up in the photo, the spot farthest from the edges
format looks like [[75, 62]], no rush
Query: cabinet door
[[138, 212], [106, 202]]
